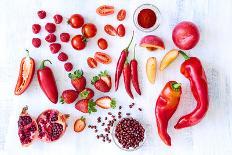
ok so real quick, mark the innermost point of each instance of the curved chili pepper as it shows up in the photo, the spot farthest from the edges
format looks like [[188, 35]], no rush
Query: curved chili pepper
[[127, 79], [26, 73], [193, 70], [47, 82], [166, 105], [120, 63], [134, 73]]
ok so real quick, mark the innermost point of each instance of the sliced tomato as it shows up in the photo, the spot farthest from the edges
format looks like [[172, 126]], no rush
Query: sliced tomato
[[109, 29], [121, 15], [92, 63], [102, 58], [121, 30], [105, 10]]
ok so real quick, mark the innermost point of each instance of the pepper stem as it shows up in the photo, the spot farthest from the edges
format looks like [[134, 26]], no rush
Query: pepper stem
[[134, 50], [43, 63], [27, 53], [176, 86], [186, 57], [130, 42]]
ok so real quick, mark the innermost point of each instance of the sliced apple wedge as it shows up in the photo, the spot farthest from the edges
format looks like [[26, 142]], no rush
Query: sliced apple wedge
[[152, 43], [168, 58], [151, 69]]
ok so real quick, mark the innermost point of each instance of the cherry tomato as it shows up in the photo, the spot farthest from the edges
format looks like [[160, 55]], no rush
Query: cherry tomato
[[105, 10], [78, 42], [102, 43], [92, 63], [109, 29], [121, 15], [102, 58], [121, 30], [76, 21], [89, 30]]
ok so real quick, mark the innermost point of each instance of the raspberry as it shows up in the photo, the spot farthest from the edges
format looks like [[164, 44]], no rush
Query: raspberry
[[36, 28], [68, 66], [55, 47], [63, 56], [41, 14], [50, 38], [64, 37], [36, 42], [50, 27], [58, 18]]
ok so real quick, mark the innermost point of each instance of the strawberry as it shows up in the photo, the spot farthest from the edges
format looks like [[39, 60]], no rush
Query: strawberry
[[58, 19], [86, 106], [68, 66], [106, 102], [64, 37], [36, 42], [78, 80], [79, 124], [50, 38], [100, 85], [62, 56], [55, 47], [87, 93], [36, 28], [41, 14], [106, 78], [68, 96], [50, 27]]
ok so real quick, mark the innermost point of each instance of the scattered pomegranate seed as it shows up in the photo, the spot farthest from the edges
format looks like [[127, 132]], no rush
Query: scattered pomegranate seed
[[58, 19], [41, 14], [36, 42], [50, 27], [50, 38], [55, 47], [36, 28], [63, 56], [64, 37], [68, 66]]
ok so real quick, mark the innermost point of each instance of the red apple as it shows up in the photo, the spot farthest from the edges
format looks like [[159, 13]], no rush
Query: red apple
[[152, 43], [185, 35]]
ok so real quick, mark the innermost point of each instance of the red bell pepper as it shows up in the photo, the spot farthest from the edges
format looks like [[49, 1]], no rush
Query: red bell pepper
[[193, 70], [166, 105], [47, 82]]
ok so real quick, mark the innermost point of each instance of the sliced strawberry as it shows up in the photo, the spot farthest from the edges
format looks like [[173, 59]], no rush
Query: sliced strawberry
[[106, 78], [87, 93], [100, 85], [68, 96], [106, 102], [78, 80], [79, 124], [86, 106]]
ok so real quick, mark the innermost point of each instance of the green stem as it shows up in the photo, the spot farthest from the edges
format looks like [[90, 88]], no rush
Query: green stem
[[43, 63], [176, 86], [130, 42], [186, 57], [27, 53], [134, 50]]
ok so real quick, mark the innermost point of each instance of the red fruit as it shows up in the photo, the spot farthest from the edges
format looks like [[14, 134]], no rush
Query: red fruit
[[99, 84], [68, 66], [64, 37], [78, 80], [68, 96], [76, 21], [102, 43], [121, 15], [27, 128], [62, 56], [89, 30], [102, 58], [109, 29], [87, 93], [92, 63], [86, 106], [55, 47], [121, 30], [58, 19], [36, 42], [79, 125], [50, 38], [41, 14], [105, 10], [106, 78], [52, 125], [50, 27], [106, 102], [36, 28], [78, 42]]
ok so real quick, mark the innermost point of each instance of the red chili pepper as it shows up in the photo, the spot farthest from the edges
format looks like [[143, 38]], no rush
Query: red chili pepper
[[134, 73], [121, 62], [127, 79], [193, 70], [26, 73], [47, 82], [166, 105]]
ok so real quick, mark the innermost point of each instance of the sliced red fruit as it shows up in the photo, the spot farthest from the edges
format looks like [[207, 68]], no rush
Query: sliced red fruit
[[86, 106], [109, 29], [106, 78], [100, 85], [121, 15], [102, 58], [106, 102], [78, 80], [92, 63], [105, 10], [68, 96], [79, 124]]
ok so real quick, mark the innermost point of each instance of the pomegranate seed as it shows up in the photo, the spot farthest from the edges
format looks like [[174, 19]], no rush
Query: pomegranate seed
[[36, 42], [36, 28], [41, 14], [50, 38], [68, 66], [64, 37], [55, 47], [58, 19], [63, 56], [50, 27]]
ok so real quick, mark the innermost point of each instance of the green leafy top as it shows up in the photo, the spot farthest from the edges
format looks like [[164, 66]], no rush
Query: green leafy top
[[61, 100], [113, 103], [95, 79], [103, 73], [82, 118], [91, 106], [76, 74], [84, 94]]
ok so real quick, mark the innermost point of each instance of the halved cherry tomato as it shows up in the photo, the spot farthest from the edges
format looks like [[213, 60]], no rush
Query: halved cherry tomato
[[105, 10], [78, 42], [102, 58], [109, 29], [121, 15], [89, 30], [76, 21], [26, 73], [92, 63], [121, 30], [102, 43]]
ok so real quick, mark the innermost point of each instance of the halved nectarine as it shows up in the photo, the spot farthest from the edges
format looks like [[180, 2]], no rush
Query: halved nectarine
[[152, 43]]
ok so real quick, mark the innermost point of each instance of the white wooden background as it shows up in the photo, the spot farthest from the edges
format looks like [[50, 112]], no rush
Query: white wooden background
[[213, 136]]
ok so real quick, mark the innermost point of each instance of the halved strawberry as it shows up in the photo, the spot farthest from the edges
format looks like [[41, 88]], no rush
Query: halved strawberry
[[106, 102], [68, 96], [78, 80], [86, 106], [87, 93], [79, 124], [106, 78], [100, 85]]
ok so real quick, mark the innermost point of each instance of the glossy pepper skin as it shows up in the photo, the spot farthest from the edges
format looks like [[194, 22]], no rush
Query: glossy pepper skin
[[192, 69], [166, 105], [120, 63], [127, 79], [47, 82]]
